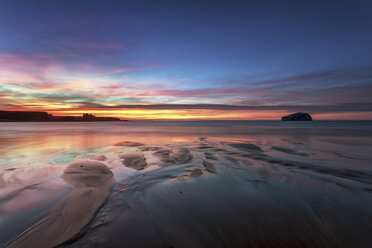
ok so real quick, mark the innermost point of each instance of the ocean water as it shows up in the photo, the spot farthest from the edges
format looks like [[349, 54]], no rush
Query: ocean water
[[186, 184]]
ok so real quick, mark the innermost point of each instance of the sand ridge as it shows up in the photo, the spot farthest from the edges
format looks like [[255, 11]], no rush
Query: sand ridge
[[92, 182], [204, 194]]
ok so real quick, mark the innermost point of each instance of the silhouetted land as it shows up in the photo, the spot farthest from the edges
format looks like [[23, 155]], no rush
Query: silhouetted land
[[297, 117], [44, 116]]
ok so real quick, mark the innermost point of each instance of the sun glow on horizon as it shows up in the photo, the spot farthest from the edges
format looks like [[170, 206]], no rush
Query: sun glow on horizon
[[186, 114]]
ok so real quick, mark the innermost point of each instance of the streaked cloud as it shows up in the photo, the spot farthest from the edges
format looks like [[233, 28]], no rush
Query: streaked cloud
[[177, 61], [107, 95]]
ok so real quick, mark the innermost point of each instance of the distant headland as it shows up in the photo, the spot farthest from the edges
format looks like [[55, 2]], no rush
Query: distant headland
[[44, 116]]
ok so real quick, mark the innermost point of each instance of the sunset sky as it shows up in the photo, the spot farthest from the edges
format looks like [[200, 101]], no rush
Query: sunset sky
[[187, 59]]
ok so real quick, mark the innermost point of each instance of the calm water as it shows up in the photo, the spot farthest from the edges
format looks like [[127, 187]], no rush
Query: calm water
[[193, 184]]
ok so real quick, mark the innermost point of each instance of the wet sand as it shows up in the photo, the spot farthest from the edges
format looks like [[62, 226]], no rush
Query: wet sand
[[92, 182], [205, 191]]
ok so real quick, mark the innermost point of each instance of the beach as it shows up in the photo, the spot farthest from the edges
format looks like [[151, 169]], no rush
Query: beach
[[186, 184]]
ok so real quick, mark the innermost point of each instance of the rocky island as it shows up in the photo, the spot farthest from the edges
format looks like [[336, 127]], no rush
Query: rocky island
[[44, 116], [297, 117]]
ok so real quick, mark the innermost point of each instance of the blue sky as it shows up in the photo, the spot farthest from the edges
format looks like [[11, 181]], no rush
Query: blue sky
[[87, 56]]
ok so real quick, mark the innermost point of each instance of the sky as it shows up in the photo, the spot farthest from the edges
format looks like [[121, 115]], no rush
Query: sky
[[188, 60]]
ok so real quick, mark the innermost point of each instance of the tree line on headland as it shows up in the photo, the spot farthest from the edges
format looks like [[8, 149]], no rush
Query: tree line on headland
[[44, 116]]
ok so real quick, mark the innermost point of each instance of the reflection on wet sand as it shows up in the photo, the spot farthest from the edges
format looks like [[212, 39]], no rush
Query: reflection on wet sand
[[190, 190], [92, 182]]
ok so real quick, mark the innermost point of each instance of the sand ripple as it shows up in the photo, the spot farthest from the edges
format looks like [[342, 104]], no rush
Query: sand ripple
[[209, 194], [134, 160], [175, 156], [92, 182]]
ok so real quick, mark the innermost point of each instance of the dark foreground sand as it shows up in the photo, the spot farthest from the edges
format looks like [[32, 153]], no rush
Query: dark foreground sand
[[207, 193], [92, 182]]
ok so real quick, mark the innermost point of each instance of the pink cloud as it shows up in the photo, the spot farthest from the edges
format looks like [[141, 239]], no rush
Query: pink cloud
[[210, 92], [28, 61], [67, 46]]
